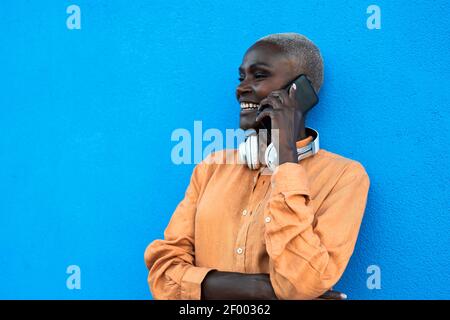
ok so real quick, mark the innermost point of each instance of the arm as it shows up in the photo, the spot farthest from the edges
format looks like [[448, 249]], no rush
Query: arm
[[219, 285], [309, 252], [306, 258], [308, 249], [172, 273]]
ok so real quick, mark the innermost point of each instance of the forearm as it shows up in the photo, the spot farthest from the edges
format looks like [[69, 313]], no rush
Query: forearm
[[218, 285]]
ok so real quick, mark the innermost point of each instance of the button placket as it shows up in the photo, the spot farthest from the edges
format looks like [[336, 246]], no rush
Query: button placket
[[241, 242], [258, 193], [255, 179]]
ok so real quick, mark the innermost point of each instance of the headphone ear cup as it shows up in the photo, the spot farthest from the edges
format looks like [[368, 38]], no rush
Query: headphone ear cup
[[241, 153], [253, 152], [248, 157], [248, 151], [271, 157]]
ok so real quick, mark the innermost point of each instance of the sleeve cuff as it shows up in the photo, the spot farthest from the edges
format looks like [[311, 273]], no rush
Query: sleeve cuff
[[191, 282], [290, 177]]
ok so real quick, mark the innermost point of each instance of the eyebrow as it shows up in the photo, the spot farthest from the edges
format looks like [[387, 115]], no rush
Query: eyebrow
[[255, 65]]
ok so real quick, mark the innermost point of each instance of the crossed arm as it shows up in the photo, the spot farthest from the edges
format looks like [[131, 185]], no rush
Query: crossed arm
[[219, 285], [304, 265]]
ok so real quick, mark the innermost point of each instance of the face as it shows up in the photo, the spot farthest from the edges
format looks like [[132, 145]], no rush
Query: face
[[264, 69]]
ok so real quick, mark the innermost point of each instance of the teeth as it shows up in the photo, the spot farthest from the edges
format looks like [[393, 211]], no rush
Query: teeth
[[248, 105]]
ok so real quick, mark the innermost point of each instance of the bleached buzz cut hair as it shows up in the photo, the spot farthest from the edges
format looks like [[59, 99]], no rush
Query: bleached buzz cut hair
[[303, 50]]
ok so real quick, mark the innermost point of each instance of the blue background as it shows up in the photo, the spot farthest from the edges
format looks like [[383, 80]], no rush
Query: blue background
[[86, 118]]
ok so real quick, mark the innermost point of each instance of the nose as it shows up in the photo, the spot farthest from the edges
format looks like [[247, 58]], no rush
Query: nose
[[242, 89]]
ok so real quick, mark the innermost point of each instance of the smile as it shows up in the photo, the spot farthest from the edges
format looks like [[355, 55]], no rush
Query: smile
[[249, 106]]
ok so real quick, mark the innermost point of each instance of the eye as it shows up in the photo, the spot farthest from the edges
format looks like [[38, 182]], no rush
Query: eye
[[260, 75]]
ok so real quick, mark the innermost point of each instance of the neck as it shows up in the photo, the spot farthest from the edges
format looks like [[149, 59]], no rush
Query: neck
[[301, 132], [266, 124]]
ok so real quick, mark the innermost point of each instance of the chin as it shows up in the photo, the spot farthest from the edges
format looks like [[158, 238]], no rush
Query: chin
[[247, 121], [245, 125]]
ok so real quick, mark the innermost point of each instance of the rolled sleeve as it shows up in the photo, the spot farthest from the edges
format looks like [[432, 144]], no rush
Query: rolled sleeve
[[290, 177], [309, 250]]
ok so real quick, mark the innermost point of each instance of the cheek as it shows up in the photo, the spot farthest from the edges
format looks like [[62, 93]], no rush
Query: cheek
[[263, 90]]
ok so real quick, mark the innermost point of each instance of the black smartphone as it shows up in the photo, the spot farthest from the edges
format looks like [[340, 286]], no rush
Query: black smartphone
[[305, 94]]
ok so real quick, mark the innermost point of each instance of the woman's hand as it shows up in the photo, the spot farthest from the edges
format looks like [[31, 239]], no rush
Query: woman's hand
[[287, 120], [219, 285]]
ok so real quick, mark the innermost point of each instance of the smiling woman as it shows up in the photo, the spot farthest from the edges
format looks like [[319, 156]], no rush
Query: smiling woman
[[260, 234], [271, 63]]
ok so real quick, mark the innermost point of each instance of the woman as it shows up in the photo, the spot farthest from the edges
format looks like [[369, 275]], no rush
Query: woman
[[242, 234]]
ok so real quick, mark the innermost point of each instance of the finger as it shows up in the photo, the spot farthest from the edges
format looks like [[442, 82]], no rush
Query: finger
[[266, 101], [333, 295], [265, 113], [330, 295], [280, 95], [271, 101]]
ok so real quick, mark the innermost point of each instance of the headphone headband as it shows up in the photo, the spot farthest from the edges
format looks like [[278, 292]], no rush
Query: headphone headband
[[312, 147], [248, 150]]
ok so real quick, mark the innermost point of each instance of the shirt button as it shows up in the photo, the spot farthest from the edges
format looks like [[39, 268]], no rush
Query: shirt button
[[267, 219], [244, 213], [239, 250]]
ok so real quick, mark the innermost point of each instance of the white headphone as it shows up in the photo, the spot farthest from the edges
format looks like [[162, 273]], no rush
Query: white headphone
[[249, 151]]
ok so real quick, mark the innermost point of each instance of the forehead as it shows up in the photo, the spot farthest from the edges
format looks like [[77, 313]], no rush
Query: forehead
[[265, 54]]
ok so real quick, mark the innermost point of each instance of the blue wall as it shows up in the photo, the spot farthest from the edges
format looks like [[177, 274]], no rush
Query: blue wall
[[86, 118]]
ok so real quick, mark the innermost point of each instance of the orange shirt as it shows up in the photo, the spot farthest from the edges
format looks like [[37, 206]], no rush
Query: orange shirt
[[299, 225]]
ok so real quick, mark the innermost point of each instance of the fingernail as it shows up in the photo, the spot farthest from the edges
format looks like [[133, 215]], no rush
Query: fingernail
[[343, 296]]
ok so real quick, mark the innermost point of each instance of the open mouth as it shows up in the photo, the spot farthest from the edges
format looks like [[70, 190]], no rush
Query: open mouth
[[249, 106]]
